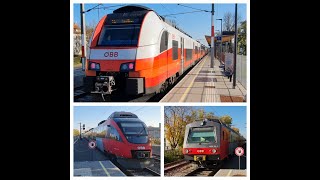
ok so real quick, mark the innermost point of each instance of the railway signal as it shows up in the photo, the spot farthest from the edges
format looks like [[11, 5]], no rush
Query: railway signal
[[92, 144], [239, 151], [83, 127]]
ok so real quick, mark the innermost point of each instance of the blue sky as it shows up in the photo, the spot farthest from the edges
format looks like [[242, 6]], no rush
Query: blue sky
[[92, 115], [238, 114], [196, 24]]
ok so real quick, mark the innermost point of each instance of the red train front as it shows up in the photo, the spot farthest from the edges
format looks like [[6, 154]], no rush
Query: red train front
[[209, 142], [134, 51], [123, 137]]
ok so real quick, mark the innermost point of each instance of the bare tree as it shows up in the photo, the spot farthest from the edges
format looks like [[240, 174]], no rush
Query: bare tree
[[228, 21], [172, 22], [238, 21]]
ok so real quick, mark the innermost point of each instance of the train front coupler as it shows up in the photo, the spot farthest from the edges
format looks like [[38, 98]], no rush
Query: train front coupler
[[104, 85]]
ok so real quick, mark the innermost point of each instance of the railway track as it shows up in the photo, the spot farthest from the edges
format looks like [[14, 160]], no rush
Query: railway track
[[81, 96], [143, 172], [156, 157], [175, 165], [136, 172], [205, 171]]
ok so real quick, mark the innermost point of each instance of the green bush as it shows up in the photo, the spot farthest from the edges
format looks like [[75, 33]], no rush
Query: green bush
[[173, 155], [76, 60], [155, 141]]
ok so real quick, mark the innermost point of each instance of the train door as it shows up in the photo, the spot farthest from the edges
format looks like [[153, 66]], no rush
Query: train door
[[182, 55]]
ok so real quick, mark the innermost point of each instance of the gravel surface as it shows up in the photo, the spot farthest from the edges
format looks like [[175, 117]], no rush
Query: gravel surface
[[156, 167], [182, 171]]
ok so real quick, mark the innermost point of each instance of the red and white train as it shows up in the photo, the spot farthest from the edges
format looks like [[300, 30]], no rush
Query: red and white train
[[123, 137], [135, 50], [209, 142]]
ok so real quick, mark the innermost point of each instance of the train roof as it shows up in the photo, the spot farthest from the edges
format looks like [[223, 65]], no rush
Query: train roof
[[122, 114], [136, 8], [132, 8]]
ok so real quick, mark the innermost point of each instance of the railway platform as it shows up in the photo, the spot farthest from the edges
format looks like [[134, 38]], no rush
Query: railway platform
[[205, 84], [231, 172], [96, 168]]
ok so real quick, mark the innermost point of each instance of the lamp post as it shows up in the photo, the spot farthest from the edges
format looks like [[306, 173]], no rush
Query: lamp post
[[217, 44], [220, 41], [83, 38], [212, 37]]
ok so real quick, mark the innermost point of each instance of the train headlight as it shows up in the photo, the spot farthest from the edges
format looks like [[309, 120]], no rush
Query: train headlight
[[94, 66], [124, 67], [131, 66], [187, 151], [213, 151], [127, 67]]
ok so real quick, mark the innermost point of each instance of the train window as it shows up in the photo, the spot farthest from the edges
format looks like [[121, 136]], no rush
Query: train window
[[196, 50], [223, 135], [164, 41], [135, 132], [114, 134], [174, 50], [119, 35], [103, 131], [202, 135], [189, 54]]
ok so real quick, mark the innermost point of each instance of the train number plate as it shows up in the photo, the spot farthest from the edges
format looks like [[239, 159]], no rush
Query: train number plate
[[199, 158]]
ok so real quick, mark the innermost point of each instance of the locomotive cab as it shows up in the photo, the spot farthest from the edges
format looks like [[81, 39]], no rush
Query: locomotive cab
[[202, 144], [113, 50], [209, 142]]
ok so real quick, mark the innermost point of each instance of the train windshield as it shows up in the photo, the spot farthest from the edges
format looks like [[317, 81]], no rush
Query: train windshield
[[202, 135], [135, 132], [119, 35]]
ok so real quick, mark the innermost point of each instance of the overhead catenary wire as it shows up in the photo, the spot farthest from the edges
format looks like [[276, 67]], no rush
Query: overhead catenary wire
[[182, 13], [139, 109], [92, 8], [194, 8], [105, 8]]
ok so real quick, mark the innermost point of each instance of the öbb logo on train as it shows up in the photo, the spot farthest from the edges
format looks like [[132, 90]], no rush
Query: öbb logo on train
[[111, 54]]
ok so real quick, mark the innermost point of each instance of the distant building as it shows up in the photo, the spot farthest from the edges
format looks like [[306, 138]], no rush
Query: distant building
[[227, 43], [76, 40], [154, 132]]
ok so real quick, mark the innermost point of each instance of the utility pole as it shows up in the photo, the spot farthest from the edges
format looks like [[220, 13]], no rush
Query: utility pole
[[212, 37], [83, 37], [220, 41], [235, 48], [221, 44], [80, 131]]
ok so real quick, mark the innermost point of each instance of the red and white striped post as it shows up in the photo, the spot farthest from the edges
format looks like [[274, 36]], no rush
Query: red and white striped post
[[83, 37], [212, 37]]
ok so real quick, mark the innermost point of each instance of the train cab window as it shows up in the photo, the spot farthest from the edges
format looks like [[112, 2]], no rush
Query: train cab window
[[202, 135], [164, 41], [135, 132], [119, 35], [112, 133], [174, 50]]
